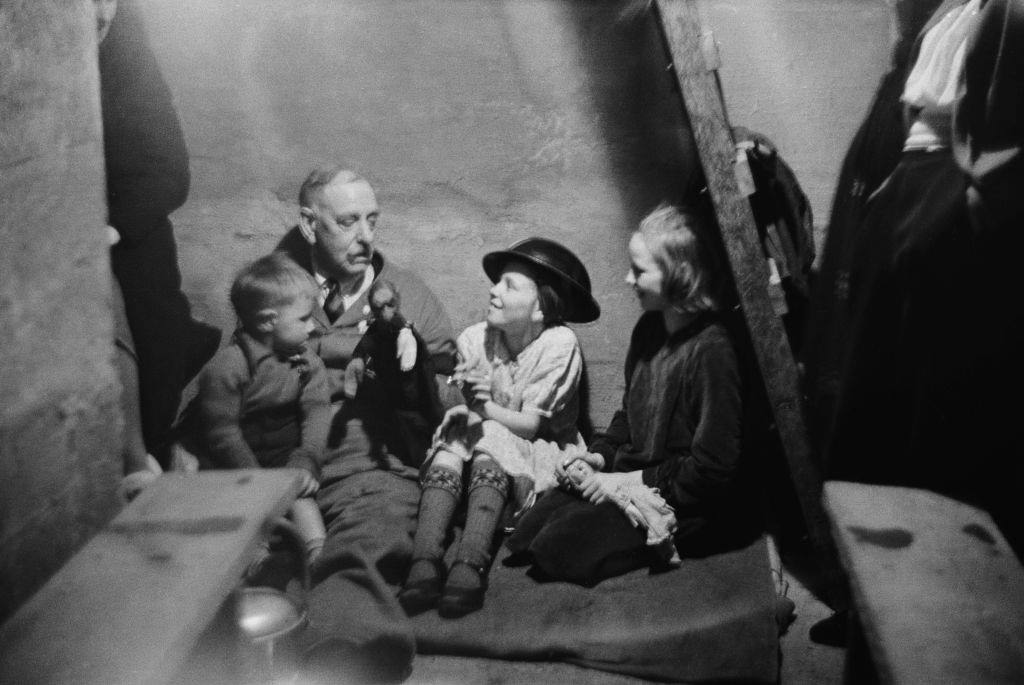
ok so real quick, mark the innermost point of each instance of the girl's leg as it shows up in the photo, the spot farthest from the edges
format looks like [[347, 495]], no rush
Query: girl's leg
[[488, 491], [533, 520], [442, 487], [585, 544]]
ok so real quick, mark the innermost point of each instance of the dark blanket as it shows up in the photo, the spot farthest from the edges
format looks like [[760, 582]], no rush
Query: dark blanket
[[710, 620]]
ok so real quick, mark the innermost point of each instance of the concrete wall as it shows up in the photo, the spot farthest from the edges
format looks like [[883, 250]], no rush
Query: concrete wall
[[59, 415], [483, 122], [480, 122]]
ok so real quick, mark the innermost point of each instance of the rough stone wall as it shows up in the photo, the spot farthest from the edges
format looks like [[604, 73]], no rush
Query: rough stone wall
[[483, 122], [59, 416], [803, 72]]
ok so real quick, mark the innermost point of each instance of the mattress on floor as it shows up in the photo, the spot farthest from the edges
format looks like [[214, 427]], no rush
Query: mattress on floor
[[712, 619]]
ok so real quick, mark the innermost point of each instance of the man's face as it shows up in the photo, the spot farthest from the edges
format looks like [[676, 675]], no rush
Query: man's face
[[340, 228]]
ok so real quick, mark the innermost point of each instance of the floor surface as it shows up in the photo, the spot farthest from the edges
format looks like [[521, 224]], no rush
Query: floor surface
[[803, 662]]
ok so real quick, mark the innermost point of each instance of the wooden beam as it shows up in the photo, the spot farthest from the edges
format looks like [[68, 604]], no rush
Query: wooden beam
[[694, 59], [131, 604], [938, 592]]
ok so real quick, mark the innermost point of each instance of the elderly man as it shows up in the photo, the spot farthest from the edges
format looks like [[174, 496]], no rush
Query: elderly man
[[369, 493]]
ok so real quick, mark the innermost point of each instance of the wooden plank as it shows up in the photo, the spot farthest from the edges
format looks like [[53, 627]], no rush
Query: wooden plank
[[688, 45], [939, 593], [129, 606]]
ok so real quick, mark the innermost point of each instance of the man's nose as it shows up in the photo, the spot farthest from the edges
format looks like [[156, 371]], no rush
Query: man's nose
[[365, 232], [630, 278]]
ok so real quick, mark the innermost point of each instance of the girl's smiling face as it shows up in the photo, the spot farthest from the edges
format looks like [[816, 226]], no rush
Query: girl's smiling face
[[514, 299], [645, 276]]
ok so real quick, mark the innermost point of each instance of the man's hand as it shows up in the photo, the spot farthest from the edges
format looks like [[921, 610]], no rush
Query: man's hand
[[309, 484]]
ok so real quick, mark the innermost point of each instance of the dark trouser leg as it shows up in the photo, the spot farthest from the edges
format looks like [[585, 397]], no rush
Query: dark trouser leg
[[357, 628], [585, 544], [170, 345]]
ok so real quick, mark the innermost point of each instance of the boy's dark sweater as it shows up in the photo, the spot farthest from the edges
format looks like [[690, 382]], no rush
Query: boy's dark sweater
[[257, 408]]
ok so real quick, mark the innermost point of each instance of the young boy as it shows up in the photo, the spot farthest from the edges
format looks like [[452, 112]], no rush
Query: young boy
[[263, 400]]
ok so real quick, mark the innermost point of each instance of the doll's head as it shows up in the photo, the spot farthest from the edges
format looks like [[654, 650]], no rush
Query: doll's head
[[385, 302], [577, 471]]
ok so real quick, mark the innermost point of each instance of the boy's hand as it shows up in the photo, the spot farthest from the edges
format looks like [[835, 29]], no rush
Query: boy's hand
[[309, 484], [354, 373]]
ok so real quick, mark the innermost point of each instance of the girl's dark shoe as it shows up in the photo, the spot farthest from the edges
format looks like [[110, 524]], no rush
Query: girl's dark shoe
[[457, 601], [423, 590]]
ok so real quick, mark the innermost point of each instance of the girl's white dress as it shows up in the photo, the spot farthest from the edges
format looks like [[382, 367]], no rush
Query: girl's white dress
[[544, 379]]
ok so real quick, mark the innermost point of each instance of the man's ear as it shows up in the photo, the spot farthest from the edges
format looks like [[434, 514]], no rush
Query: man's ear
[[307, 224], [266, 320]]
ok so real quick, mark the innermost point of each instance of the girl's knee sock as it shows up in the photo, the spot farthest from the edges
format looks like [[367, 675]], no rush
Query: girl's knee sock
[[488, 490], [441, 490]]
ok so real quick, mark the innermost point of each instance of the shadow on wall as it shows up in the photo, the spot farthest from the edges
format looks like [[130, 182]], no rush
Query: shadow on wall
[[639, 106]]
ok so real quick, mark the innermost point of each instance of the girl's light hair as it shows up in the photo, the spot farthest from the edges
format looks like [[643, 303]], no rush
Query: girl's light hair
[[689, 274], [270, 282]]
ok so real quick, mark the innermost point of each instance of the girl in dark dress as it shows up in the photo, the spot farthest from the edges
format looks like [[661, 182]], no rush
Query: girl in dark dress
[[679, 428]]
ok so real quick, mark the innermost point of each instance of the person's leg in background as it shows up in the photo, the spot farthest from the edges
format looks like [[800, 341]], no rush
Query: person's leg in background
[[170, 345], [140, 469]]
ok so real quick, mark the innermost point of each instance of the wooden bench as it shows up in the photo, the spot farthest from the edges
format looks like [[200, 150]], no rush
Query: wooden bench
[[939, 594], [130, 605]]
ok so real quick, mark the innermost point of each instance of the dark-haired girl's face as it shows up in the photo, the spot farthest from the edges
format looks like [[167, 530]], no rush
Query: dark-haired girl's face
[[645, 276], [514, 300]]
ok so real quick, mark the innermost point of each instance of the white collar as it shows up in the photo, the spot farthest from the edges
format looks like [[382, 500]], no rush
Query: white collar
[[347, 300]]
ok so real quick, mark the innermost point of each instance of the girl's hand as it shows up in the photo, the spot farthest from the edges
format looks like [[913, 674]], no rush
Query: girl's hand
[[476, 387], [602, 486], [456, 418], [309, 484]]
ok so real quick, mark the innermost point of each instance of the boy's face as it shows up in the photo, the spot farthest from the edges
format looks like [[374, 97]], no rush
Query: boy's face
[[293, 325]]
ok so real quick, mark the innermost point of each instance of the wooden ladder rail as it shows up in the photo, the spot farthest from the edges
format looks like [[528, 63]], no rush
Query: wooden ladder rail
[[695, 63]]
